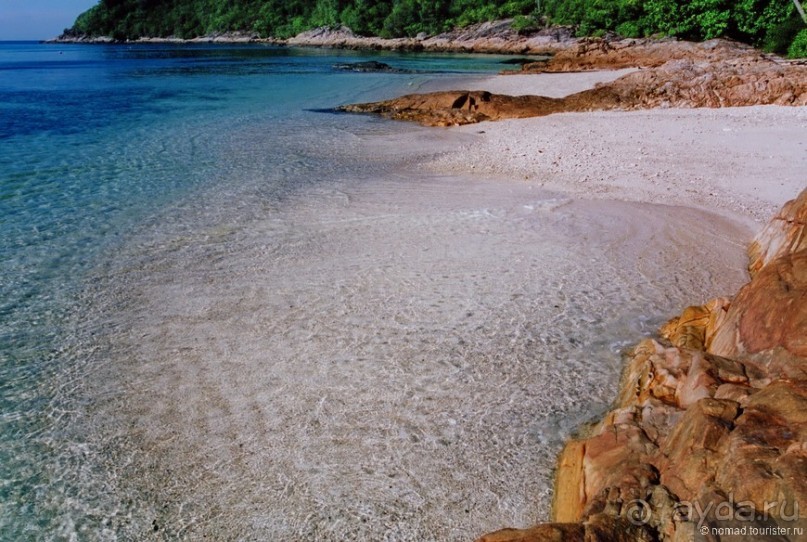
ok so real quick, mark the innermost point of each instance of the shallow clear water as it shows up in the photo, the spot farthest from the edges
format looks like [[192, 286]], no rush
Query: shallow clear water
[[226, 313], [94, 141]]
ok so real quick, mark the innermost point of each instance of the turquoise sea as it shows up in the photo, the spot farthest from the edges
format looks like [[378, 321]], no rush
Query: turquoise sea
[[96, 141]]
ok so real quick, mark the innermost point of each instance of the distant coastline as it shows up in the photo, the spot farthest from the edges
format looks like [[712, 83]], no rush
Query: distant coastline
[[497, 37]]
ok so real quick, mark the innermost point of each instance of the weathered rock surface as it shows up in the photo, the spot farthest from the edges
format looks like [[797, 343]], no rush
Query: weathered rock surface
[[744, 81], [710, 420], [459, 107], [612, 54], [767, 322], [712, 74], [786, 234]]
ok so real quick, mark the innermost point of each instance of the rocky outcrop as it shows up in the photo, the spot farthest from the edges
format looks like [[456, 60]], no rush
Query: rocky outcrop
[[711, 74], [459, 107], [74, 37], [611, 54], [709, 427], [743, 81], [785, 234], [488, 37]]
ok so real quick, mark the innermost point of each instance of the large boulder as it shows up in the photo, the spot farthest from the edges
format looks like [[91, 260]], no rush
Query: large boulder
[[785, 234], [767, 322]]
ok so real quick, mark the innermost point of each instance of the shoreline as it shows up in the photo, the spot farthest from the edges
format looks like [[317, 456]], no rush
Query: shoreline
[[496, 37], [504, 149], [743, 163]]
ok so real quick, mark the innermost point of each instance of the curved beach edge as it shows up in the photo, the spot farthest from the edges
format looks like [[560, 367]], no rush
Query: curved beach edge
[[708, 428]]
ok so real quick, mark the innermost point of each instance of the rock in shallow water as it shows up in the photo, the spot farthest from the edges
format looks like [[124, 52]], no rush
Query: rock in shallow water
[[371, 66]]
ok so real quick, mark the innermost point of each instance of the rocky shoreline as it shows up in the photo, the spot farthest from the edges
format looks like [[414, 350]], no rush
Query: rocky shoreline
[[489, 37], [223, 38], [709, 429], [717, 73]]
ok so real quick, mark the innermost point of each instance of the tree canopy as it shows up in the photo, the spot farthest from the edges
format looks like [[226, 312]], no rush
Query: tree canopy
[[772, 24]]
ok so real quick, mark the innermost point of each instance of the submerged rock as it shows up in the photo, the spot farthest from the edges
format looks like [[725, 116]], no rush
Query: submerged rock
[[520, 61], [369, 66], [711, 417]]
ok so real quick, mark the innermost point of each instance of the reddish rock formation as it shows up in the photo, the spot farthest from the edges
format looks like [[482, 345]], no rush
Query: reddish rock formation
[[608, 54], [710, 421], [767, 322], [786, 234], [713, 74], [459, 107], [690, 83]]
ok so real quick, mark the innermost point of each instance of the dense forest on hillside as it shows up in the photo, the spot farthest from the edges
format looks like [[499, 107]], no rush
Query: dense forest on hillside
[[771, 24]]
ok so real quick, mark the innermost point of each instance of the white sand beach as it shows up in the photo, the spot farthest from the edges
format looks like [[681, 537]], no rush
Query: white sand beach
[[744, 162], [401, 358]]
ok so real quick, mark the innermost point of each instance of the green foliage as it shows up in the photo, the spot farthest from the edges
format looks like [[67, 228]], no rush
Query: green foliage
[[472, 15], [365, 17], [524, 24], [326, 13], [292, 28], [769, 23], [707, 19], [780, 36], [398, 22], [629, 29], [798, 49], [745, 20]]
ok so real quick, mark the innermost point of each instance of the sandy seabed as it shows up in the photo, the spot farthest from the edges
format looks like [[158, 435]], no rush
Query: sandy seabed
[[401, 358]]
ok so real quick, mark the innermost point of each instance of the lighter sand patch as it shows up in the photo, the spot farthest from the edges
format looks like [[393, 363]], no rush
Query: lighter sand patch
[[744, 162]]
